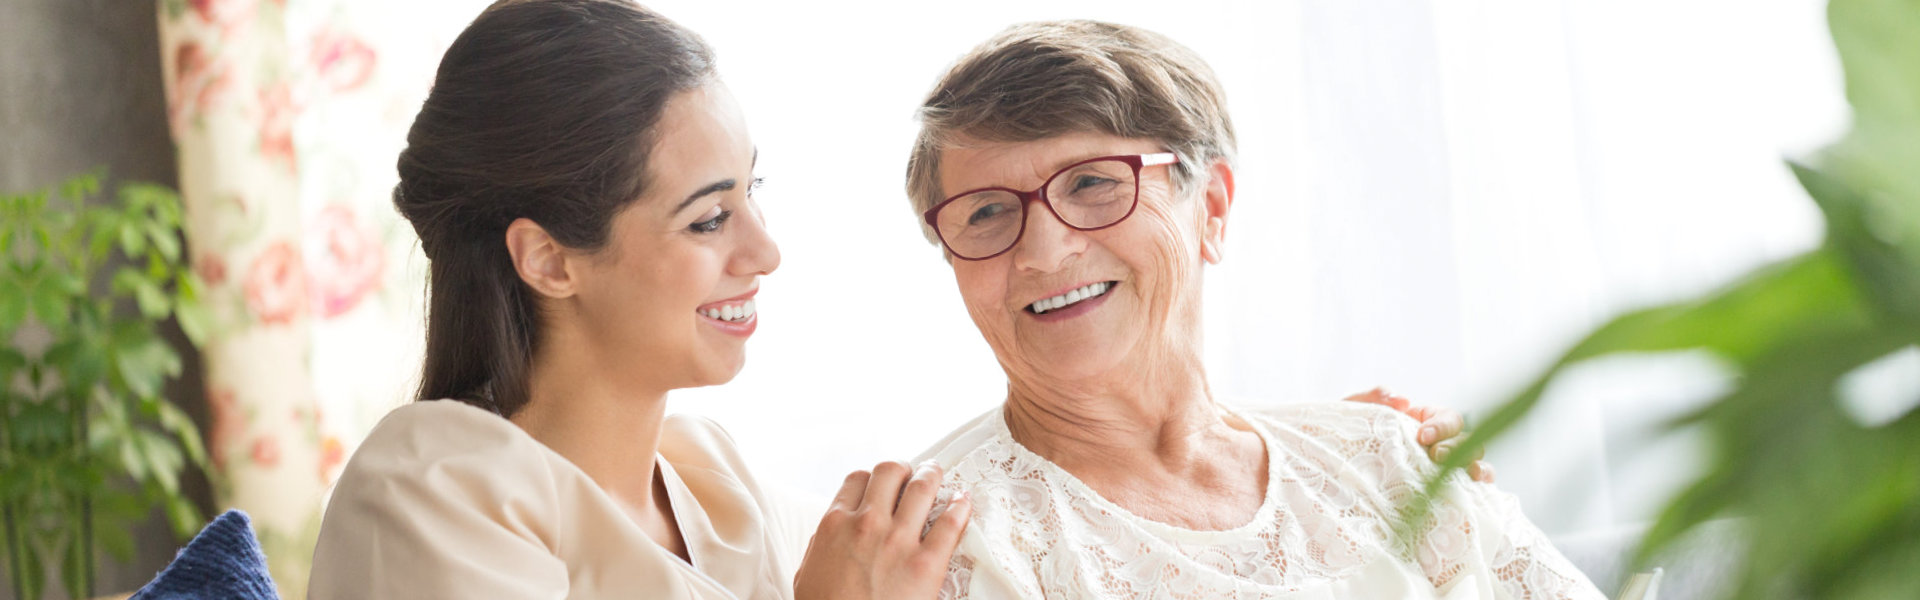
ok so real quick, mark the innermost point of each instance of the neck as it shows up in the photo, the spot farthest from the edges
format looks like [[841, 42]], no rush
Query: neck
[[1164, 412], [608, 428]]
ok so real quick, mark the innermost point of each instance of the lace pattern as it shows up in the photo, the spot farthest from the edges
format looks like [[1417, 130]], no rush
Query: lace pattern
[[1338, 474]]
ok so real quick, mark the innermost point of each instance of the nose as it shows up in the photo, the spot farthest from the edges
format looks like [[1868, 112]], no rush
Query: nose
[[757, 253], [1047, 242]]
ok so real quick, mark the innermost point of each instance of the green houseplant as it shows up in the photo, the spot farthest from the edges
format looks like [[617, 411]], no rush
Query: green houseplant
[[1828, 506], [89, 447]]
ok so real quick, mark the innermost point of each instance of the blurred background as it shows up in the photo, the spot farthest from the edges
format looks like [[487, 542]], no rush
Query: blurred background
[[1434, 196]]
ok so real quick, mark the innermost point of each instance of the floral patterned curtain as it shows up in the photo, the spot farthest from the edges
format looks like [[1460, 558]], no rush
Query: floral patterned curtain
[[287, 116]]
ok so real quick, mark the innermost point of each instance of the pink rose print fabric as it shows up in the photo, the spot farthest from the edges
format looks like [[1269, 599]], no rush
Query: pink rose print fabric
[[287, 117]]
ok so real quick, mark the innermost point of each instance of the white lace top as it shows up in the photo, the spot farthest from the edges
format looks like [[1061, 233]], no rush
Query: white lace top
[[1337, 473]]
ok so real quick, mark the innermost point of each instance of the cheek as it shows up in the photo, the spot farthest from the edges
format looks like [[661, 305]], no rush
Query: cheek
[[1161, 247], [664, 283], [982, 289]]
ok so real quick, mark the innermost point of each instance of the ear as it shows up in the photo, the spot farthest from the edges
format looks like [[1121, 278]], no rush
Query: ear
[[539, 259], [1215, 204]]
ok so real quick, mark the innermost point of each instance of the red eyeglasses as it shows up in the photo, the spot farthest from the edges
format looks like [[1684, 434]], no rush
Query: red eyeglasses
[[1089, 195]]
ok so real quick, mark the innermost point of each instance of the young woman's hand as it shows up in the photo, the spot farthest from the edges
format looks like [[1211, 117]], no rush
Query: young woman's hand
[[869, 546], [1440, 429]]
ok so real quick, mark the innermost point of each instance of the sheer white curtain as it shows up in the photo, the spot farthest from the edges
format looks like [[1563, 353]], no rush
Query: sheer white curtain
[[1435, 196], [1484, 181]]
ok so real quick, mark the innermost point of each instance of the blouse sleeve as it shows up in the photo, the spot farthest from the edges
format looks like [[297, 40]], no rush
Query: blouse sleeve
[[1474, 526], [460, 523]]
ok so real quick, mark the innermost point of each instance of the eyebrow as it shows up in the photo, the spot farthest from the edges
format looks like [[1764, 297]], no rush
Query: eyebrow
[[715, 187]]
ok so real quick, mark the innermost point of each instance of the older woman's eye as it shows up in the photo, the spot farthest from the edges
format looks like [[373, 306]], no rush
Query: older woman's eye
[[1087, 181], [986, 213], [712, 224]]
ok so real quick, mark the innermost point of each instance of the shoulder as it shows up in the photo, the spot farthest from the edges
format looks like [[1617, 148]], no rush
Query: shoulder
[[964, 440], [444, 457], [1339, 422], [437, 435], [692, 441], [1371, 441]]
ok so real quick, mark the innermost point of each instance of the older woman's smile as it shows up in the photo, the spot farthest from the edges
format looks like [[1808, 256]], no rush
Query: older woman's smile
[[1071, 302]]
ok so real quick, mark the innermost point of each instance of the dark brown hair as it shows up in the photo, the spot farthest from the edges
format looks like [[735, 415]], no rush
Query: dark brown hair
[[1033, 81], [542, 109]]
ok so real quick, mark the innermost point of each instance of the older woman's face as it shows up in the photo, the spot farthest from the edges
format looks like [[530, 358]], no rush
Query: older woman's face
[[1149, 264]]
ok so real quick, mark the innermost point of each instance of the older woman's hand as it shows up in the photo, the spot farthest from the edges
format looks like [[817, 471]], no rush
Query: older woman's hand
[[1440, 428], [870, 544]]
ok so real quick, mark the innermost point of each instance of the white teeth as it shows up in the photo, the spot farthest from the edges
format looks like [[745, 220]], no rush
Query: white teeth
[[734, 312], [1071, 297]]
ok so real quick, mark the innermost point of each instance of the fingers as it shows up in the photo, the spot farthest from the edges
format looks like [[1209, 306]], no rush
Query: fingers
[[1381, 397], [945, 534], [883, 489], [1440, 451], [917, 499], [1439, 424], [851, 491], [1481, 471]]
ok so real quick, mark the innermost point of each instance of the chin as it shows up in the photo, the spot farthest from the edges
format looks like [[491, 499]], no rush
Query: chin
[[1075, 366], [717, 370]]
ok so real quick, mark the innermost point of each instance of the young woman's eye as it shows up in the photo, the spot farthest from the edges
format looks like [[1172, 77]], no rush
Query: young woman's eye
[[755, 185], [711, 224]]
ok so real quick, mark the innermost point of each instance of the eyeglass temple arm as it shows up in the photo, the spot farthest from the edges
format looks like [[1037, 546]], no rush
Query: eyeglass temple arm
[[1163, 158]]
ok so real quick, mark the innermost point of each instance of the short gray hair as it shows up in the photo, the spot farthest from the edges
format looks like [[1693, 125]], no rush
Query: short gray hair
[[1033, 81]]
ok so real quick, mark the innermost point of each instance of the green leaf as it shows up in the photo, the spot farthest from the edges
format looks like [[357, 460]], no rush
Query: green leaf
[[11, 360], [131, 242], [165, 239], [152, 301], [176, 422], [1803, 296], [81, 186], [126, 280], [194, 320], [14, 302], [116, 541], [1892, 283], [164, 459], [184, 516], [49, 304], [101, 233]]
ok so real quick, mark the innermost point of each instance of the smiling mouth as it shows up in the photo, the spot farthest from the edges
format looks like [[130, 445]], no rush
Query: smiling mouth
[[1084, 293], [731, 313]]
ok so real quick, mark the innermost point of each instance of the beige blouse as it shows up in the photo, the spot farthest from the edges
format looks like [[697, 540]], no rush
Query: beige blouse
[[446, 500], [1338, 473]]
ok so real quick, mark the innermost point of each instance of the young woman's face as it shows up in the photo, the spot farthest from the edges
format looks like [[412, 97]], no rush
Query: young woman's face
[[672, 293]]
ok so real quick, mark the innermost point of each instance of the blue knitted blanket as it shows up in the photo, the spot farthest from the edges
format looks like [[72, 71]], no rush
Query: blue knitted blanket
[[223, 561]]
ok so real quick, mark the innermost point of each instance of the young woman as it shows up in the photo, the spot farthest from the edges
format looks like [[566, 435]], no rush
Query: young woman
[[581, 182]]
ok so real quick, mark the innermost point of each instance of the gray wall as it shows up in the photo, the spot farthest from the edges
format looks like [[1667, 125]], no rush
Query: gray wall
[[80, 87]]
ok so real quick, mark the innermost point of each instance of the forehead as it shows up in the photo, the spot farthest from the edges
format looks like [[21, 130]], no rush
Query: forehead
[[1025, 165], [702, 138]]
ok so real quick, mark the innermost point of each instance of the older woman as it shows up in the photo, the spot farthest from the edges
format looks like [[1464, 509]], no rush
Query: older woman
[[1080, 176]]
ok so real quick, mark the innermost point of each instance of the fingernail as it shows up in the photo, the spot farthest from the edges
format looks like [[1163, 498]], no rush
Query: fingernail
[[1427, 434], [1441, 453]]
